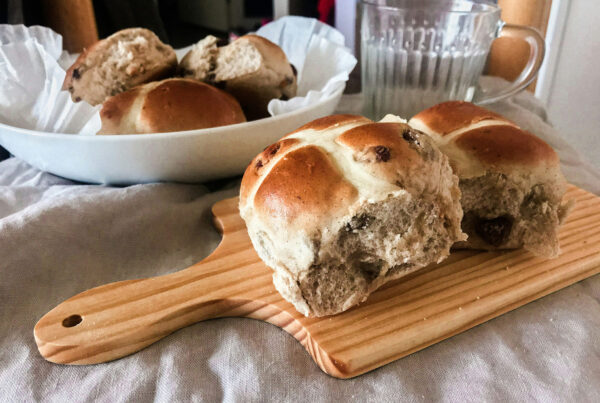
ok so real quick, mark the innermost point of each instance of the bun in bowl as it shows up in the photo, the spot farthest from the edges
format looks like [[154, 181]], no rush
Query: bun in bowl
[[251, 68], [170, 105], [122, 61]]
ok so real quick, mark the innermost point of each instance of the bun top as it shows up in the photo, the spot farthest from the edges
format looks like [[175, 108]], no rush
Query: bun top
[[170, 105], [450, 117], [478, 141], [323, 171]]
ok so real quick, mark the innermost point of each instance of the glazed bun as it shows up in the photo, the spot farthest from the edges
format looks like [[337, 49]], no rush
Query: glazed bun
[[343, 205], [511, 183], [170, 105], [251, 68], [122, 61]]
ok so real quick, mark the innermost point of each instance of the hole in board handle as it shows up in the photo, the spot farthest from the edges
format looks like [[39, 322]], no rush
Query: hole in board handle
[[72, 320]]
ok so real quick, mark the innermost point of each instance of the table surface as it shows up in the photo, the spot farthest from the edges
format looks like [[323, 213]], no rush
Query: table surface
[[58, 238]]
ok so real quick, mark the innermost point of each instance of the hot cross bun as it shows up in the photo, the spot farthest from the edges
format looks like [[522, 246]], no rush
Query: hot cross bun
[[343, 205]]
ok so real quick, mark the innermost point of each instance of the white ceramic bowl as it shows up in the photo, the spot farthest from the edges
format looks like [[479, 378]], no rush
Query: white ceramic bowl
[[188, 156]]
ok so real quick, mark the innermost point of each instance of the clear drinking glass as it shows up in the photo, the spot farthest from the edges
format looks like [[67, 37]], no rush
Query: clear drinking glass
[[417, 53]]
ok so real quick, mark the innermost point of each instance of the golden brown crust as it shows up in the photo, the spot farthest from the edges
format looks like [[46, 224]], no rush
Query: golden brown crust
[[261, 162], [170, 105], [116, 108], [304, 185], [182, 104], [450, 116], [506, 145], [384, 147], [332, 120]]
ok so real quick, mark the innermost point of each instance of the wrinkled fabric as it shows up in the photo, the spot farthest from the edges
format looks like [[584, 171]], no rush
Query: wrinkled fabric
[[59, 238]]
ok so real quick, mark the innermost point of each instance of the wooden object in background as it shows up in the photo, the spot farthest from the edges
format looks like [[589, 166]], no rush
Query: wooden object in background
[[508, 56], [407, 315], [74, 20]]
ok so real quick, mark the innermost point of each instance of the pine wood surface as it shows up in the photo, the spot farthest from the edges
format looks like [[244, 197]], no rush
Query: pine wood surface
[[407, 315]]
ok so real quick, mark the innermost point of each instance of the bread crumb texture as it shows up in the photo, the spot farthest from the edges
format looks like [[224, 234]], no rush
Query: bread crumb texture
[[122, 61], [511, 183]]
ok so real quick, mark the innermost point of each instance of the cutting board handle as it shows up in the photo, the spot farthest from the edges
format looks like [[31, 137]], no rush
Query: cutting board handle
[[114, 320], [129, 314]]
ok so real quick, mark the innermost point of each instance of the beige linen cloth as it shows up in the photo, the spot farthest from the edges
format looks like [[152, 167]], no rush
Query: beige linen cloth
[[58, 238]]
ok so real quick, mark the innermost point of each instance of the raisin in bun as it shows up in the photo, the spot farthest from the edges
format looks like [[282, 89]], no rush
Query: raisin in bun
[[343, 205], [122, 61], [511, 183], [251, 68], [170, 105]]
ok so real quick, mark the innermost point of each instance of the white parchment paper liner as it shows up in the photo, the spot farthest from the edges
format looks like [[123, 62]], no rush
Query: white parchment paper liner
[[32, 76], [30, 95], [318, 53]]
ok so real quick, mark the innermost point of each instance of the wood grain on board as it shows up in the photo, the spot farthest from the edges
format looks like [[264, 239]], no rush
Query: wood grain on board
[[409, 314]]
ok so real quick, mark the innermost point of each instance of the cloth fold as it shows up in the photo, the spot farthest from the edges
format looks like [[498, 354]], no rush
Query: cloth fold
[[59, 238]]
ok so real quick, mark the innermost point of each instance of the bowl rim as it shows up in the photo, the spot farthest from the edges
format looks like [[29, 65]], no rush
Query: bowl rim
[[185, 133]]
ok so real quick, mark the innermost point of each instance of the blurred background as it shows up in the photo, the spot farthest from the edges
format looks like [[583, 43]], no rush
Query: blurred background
[[568, 83]]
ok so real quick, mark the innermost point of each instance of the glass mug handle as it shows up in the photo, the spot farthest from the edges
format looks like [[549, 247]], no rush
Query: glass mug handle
[[537, 48]]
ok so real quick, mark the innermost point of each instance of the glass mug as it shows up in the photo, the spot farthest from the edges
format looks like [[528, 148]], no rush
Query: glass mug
[[417, 53]]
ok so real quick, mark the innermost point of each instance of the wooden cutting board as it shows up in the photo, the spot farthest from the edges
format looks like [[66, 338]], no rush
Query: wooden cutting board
[[469, 288]]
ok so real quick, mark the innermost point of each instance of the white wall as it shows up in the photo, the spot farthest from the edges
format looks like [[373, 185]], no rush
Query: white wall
[[572, 92]]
